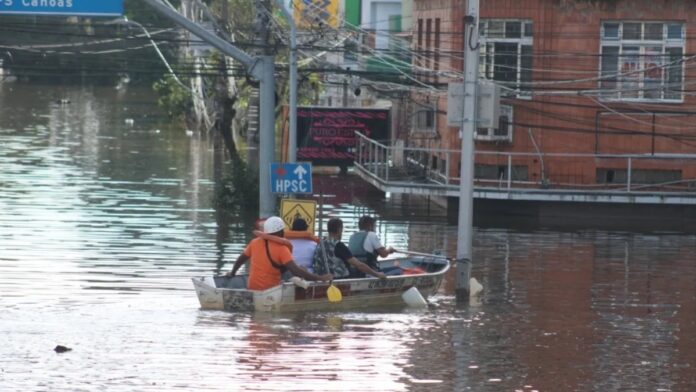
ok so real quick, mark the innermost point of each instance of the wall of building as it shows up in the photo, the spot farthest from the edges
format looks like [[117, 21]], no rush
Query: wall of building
[[376, 18], [566, 46]]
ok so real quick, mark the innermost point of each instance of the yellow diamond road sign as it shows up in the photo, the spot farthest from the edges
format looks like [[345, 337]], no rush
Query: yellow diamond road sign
[[305, 209]]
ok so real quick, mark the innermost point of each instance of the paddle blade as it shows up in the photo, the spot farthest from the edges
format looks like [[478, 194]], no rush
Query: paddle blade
[[334, 294]]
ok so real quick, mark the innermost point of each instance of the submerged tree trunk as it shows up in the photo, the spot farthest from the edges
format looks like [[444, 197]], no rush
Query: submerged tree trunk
[[214, 98], [224, 108]]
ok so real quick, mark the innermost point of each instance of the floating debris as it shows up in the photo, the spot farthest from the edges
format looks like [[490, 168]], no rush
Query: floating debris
[[61, 349], [475, 288]]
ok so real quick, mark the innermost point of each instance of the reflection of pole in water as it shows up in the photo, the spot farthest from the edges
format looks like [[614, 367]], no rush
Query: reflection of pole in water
[[222, 229], [321, 209], [626, 271], [506, 277]]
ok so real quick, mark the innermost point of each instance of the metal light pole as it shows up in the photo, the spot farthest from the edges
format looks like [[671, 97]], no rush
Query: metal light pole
[[267, 136], [292, 112], [466, 175]]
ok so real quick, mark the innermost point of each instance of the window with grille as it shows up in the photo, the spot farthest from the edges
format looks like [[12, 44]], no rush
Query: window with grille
[[424, 118], [506, 54], [642, 61]]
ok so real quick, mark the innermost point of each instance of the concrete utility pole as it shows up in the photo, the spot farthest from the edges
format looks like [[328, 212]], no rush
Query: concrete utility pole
[[466, 175], [261, 68]]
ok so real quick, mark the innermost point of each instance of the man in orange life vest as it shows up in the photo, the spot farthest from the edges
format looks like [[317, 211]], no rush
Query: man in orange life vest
[[270, 256]]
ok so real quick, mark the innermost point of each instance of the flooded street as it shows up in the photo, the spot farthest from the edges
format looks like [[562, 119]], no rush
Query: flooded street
[[106, 213]]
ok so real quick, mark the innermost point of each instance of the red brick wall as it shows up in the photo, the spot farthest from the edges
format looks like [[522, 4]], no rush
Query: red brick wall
[[566, 47]]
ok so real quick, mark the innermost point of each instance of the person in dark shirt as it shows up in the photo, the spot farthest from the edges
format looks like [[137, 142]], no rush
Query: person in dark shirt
[[333, 256]]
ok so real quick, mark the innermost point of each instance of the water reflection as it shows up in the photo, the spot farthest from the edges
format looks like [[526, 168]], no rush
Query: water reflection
[[103, 222]]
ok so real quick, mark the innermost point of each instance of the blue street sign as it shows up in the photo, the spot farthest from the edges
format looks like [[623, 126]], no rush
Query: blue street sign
[[291, 177], [62, 7]]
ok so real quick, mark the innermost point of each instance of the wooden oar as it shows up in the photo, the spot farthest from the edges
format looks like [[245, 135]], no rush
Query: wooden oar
[[408, 252]]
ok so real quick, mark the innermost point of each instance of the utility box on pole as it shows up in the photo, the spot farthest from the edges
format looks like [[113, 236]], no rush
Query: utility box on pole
[[487, 106]]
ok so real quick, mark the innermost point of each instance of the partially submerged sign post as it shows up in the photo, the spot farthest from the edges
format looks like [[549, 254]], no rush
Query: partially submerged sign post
[[62, 7]]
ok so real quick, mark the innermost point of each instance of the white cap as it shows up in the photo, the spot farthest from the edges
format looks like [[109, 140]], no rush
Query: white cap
[[273, 225]]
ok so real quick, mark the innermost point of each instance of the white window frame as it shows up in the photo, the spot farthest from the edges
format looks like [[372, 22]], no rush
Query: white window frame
[[487, 71], [665, 43]]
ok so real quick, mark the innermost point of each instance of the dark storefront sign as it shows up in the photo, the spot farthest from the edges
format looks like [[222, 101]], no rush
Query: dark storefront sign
[[326, 136]]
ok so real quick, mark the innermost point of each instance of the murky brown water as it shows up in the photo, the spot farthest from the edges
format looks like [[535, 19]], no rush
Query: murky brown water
[[102, 224]]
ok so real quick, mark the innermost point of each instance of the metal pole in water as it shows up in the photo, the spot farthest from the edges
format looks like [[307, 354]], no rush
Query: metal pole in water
[[267, 137], [466, 176]]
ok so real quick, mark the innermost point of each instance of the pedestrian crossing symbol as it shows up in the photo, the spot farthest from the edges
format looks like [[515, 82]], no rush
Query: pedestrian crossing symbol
[[291, 209]]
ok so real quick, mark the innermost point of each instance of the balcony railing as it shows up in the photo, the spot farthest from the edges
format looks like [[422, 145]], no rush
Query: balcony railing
[[417, 167]]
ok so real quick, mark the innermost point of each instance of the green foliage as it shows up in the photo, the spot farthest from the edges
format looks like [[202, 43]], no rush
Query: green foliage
[[172, 97], [238, 19], [238, 191], [312, 86]]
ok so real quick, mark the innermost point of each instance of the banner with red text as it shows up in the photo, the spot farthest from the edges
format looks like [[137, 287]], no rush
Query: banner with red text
[[326, 136]]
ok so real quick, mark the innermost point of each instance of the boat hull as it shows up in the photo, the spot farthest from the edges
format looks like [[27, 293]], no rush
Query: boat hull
[[229, 294]]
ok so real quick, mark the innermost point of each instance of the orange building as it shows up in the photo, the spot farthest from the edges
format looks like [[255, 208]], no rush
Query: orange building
[[597, 94]]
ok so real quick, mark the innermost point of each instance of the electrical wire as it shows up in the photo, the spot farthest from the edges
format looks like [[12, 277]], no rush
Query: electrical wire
[[574, 92]]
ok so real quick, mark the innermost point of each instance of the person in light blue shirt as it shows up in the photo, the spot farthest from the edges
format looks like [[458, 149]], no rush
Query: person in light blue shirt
[[366, 246], [303, 243]]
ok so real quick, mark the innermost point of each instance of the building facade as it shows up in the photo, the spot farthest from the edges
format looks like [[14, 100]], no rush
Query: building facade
[[596, 93]]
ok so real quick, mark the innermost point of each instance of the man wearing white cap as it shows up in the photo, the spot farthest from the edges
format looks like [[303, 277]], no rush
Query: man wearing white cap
[[270, 256]]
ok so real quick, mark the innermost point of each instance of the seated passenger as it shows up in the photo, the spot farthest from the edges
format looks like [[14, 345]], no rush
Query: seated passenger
[[366, 246], [303, 243], [333, 257]]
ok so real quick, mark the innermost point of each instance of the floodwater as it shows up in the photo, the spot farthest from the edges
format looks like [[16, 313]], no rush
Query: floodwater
[[104, 222]]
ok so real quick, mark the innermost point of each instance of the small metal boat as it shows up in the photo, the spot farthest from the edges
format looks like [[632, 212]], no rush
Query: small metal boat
[[223, 293]]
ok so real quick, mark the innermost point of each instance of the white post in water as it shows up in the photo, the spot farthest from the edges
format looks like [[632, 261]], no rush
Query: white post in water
[[466, 175]]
